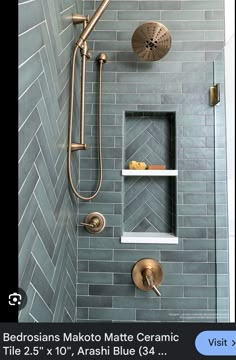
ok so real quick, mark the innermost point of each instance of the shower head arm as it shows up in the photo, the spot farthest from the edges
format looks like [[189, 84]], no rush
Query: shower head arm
[[91, 23]]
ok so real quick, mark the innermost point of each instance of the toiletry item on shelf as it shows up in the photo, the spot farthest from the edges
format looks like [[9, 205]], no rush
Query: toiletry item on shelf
[[135, 165], [156, 167]]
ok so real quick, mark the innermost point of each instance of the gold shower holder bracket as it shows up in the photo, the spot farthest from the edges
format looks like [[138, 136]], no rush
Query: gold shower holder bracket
[[147, 275], [76, 146], [79, 19], [94, 222]]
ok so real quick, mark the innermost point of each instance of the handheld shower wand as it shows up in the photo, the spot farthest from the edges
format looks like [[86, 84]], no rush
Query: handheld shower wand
[[92, 22], [88, 25]]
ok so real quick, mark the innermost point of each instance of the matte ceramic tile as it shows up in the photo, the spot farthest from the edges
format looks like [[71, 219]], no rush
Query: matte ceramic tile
[[192, 142], [208, 316], [127, 5], [183, 99], [44, 146], [203, 25], [172, 267], [109, 243], [119, 25], [94, 278], [206, 198], [192, 232], [192, 279], [44, 232], [222, 268], [161, 5], [196, 153], [111, 290], [137, 15], [32, 37], [183, 56], [28, 102], [50, 130], [186, 5], [138, 99], [200, 268], [202, 45], [159, 88], [40, 311], [91, 254], [40, 254], [159, 315], [28, 72], [124, 279], [214, 15], [44, 203], [119, 88], [112, 314], [214, 35], [26, 191], [25, 250], [135, 303], [110, 266], [129, 255], [41, 284], [161, 67], [188, 186], [187, 303], [85, 208], [193, 244], [94, 301], [182, 15], [141, 78], [197, 291], [82, 313], [199, 221], [82, 289], [26, 220], [198, 175], [186, 256]]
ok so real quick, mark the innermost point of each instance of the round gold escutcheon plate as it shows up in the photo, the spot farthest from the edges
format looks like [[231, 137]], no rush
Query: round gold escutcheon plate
[[139, 268]]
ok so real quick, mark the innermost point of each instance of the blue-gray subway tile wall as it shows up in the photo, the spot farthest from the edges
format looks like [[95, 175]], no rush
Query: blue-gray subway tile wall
[[47, 211], [49, 243], [178, 83]]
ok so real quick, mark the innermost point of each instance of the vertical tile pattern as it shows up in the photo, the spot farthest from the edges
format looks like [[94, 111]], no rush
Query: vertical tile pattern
[[178, 83], [47, 211]]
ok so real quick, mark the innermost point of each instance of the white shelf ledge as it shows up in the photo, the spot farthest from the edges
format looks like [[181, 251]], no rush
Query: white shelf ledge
[[148, 238], [149, 172]]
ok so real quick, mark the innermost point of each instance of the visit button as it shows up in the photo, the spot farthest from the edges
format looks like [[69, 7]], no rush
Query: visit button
[[219, 343]]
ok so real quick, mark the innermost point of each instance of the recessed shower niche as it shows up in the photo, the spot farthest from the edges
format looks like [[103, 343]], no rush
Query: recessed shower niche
[[149, 206]]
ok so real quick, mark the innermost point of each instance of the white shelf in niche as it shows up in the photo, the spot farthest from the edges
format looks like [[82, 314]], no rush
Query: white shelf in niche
[[148, 238], [128, 172]]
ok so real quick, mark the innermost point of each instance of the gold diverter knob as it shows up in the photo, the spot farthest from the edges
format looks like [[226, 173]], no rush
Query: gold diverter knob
[[94, 222], [147, 275]]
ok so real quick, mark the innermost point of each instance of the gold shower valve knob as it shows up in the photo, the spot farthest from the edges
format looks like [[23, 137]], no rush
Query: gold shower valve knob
[[94, 222], [135, 165], [147, 275]]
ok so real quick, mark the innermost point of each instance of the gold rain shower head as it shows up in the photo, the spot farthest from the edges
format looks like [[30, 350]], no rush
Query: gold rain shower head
[[151, 41]]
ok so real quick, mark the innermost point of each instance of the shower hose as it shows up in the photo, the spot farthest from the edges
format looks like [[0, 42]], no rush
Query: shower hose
[[100, 63]]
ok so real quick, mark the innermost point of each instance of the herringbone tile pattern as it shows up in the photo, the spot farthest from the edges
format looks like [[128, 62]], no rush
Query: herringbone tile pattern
[[47, 222], [149, 201], [150, 138]]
